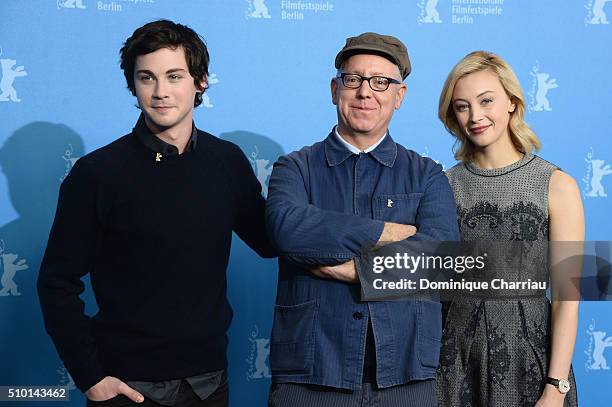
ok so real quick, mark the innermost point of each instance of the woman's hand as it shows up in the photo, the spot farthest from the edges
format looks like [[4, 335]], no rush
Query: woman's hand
[[550, 397]]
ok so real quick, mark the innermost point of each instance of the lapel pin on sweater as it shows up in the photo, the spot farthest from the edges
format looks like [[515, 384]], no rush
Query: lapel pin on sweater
[[389, 203], [158, 157]]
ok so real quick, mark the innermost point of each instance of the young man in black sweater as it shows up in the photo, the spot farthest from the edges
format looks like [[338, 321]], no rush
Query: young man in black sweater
[[150, 218]]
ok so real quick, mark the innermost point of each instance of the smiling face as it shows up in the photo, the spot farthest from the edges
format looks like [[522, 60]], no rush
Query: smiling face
[[363, 112], [165, 90], [482, 109]]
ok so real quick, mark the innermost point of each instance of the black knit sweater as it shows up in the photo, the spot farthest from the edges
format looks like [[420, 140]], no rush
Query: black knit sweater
[[155, 237]]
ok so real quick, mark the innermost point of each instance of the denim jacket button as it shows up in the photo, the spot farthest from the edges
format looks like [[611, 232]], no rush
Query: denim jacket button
[[357, 316]]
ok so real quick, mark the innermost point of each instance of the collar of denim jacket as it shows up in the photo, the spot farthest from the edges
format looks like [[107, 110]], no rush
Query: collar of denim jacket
[[336, 152]]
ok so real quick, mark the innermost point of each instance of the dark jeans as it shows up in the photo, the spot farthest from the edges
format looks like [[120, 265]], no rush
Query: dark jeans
[[420, 393], [185, 398]]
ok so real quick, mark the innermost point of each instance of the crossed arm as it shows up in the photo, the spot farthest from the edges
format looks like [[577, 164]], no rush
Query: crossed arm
[[347, 272], [328, 241]]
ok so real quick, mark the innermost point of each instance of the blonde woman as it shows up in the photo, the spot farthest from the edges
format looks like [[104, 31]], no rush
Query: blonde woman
[[514, 350]]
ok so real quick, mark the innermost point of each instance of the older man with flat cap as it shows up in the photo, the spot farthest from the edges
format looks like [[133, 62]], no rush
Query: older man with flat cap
[[357, 187]]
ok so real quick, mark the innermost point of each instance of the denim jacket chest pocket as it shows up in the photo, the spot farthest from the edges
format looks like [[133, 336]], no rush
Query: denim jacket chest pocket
[[397, 208]]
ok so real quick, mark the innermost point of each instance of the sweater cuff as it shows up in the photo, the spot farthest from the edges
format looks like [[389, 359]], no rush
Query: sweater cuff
[[87, 376]]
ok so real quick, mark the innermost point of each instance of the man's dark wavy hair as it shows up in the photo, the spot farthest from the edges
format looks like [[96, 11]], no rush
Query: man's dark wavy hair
[[166, 34]]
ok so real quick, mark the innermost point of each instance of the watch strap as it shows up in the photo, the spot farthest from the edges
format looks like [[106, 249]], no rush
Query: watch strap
[[554, 382], [563, 385]]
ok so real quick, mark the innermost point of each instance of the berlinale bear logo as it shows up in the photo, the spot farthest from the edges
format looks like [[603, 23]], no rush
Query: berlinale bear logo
[[538, 94], [10, 267], [70, 4], [260, 351], [263, 170], [429, 12], [596, 170], [596, 13], [257, 9], [598, 342], [7, 90], [212, 79]]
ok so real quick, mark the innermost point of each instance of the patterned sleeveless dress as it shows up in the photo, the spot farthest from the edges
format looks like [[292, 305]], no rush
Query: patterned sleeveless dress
[[495, 350]]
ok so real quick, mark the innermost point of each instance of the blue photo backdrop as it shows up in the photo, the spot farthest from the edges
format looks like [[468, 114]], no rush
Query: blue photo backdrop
[[63, 95]]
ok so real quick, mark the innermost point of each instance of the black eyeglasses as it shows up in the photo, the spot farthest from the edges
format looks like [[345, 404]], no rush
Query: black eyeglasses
[[377, 83]]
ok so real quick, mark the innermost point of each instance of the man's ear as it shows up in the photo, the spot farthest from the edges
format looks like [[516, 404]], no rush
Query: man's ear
[[334, 90], [401, 92]]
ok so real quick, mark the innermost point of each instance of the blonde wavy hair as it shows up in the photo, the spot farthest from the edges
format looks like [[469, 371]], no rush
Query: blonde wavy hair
[[523, 138]]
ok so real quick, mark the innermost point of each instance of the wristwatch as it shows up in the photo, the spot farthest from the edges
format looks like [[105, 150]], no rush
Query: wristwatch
[[563, 385]]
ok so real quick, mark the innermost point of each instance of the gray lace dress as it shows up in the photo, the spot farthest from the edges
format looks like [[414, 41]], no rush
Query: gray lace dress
[[495, 350]]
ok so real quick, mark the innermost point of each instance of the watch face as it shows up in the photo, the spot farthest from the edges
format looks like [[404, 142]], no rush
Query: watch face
[[564, 386]]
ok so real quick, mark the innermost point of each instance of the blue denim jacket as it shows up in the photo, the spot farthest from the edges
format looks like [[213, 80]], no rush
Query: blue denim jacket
[[324, 203]]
